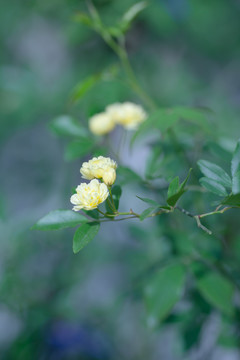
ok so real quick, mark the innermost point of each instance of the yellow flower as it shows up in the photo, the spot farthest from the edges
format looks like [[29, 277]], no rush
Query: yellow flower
[[127, 114], [101, 124], [100, 168], [89, 196]]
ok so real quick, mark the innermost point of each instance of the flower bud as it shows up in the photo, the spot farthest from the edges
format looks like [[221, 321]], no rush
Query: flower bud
[[109, 176]]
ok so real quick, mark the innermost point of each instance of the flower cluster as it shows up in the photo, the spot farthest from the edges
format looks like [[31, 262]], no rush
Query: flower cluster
[[127, 114], [89, 196]]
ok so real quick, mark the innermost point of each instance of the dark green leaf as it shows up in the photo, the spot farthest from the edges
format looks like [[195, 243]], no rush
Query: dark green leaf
[[116, 194], [213, 186], [172, 200], [59, 219], [218, 291], [153, 164], [77, 149], [163, 291], [173, 187], [215, 172], [67, 126], [232, 200], [92, 213], [83, 87], [194, 115], [83, 235]]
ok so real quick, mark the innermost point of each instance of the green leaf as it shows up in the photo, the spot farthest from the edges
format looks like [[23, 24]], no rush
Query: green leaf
[[134, 10], [67, 126], [149, 201], [153, 164], [215, 172], [172, 200], [236, 183], [128, 175], [193, 115], [163, 291], [218, 291], [116, 194], [235, 164], [83, 235], [232, 200], [213, 186], [173, 187], [59, 219], [147, 212], [79, 148], [83, 19], [154, 206], [83, 87], [164, 118], [92, 213]]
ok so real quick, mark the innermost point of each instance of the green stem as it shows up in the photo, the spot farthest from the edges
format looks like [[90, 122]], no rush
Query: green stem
[[214, 212], [101, 212]]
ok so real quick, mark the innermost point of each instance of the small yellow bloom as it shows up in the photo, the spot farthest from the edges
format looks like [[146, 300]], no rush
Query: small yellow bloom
[[89, 196], [100, 168], [101, 124], [127, 114]]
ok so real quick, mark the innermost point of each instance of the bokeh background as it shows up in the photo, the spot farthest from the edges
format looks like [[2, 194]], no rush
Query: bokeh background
[[53, 304]]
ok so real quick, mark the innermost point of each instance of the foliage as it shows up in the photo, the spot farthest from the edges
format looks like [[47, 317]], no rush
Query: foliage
[[182, 215]]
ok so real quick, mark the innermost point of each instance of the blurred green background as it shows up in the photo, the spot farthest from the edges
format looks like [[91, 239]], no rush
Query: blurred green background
[[56, 305]]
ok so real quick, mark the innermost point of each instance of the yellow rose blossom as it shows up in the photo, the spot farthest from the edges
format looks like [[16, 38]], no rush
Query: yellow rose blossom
[[100, 168], [89, 196], [127, 114], [101, 124]]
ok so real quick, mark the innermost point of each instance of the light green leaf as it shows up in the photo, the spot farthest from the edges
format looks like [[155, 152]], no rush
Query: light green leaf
[[232, 200], [163, 291], [83, 19], [149, 201], [147, 212], [83, 235], [165, 118], [173, 187], [134, 10], [77, 149], [59, 219], [215, 172], [218, 291], [235, 165], [213, 186], [67, 126], [128, 175], [236, 183]]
